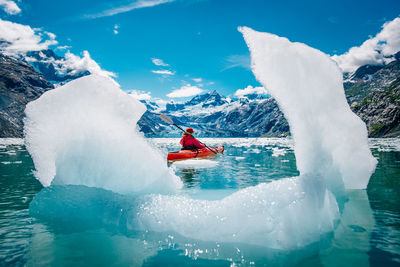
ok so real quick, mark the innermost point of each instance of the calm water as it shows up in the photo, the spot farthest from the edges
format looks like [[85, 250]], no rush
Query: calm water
[[86, 226]]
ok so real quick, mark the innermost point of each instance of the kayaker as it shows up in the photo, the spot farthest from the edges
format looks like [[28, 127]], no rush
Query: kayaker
[[188, 141]]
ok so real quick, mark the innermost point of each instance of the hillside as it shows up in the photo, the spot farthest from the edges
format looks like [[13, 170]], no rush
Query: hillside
[[20, 83]]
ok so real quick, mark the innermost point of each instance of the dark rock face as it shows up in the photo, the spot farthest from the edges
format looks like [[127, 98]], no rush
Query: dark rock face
[[376, 100], [379, 81], [381, 111], [20, 83], [364, 72]]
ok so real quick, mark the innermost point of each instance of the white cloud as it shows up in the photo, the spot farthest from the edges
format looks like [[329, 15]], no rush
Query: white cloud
[[128, 7], [140, 95], [186, 91], [250, 90], [376, 50], [197, 80], [115, 30], [146, 96], [51, 35], [160, 102], [78, 64], [234, 61], [10, 7], [64, 47], [159, 62], [163, 72], [20, 39]]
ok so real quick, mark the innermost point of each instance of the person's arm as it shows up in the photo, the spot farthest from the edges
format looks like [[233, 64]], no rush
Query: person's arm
[[197, 143]]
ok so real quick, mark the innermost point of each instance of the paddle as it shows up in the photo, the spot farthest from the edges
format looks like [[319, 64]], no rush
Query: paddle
[[171, 122]]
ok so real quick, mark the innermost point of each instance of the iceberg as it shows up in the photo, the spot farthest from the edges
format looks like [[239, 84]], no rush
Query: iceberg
[[330, 140], [84, 133]]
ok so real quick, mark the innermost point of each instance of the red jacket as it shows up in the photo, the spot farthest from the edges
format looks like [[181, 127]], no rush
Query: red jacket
[[189, 142]]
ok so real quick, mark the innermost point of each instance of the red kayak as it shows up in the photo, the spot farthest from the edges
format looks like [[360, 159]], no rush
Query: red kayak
[[196, 153]]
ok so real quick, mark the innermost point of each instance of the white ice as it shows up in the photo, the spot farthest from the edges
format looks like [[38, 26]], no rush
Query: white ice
[[330, 140], [195, 163], [84, 133]]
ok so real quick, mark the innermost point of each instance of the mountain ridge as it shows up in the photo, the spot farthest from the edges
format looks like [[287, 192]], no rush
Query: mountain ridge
[[20, 83], [372, 93]]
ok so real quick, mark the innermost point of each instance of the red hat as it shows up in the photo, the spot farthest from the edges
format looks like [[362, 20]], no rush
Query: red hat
[[189, 130]]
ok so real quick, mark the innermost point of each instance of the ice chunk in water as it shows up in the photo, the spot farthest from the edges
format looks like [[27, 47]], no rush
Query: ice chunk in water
[[330, 139], [84, 133]]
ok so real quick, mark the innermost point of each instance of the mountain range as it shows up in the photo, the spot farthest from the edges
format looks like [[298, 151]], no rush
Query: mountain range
[[212, 114], [372, 92], [52, 66]]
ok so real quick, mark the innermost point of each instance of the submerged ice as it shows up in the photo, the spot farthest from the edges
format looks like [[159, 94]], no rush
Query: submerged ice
[[84, 134], [284, 214]]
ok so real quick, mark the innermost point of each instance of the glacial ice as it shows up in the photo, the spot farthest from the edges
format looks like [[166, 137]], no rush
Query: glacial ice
[[84, 133], [330, 140], [195, 163]]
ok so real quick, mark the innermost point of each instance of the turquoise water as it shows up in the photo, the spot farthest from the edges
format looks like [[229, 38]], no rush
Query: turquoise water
[[81, 226]]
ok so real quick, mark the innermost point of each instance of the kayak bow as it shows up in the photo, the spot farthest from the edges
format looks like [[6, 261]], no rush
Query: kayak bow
[[195, 153]]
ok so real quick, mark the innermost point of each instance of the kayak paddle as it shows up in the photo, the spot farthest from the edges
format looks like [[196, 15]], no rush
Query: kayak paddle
[[171, 122]]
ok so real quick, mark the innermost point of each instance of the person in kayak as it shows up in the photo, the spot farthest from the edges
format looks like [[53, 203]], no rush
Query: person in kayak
[[188, 141]]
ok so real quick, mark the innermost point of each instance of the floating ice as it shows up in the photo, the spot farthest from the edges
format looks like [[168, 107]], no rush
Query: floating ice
[[11, 141], [195, 163], [84, 133], [330, 139], [276, 152], [385, 144], [236, 142]]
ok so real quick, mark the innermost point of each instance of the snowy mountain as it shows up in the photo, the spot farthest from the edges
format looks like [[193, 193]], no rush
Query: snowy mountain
[[372, 92], [377, 80], [53, 67], [212, 114]]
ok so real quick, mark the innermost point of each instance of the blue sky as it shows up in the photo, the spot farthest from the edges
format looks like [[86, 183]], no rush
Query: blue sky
[[197, 39]]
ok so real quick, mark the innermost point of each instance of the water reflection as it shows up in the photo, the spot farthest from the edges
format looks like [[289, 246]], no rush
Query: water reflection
[[384, 195], [188, 176]]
